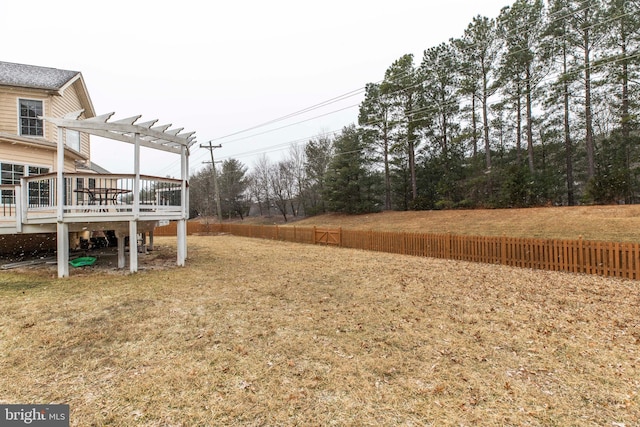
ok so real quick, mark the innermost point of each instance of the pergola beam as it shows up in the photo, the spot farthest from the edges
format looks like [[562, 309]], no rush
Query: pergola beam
[[131, 140], [161, 137]]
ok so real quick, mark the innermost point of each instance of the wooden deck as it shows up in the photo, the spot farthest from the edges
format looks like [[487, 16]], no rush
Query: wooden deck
[[91, 202]]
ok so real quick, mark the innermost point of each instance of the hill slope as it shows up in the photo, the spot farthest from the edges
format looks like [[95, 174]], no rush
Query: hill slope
[[607, 223]]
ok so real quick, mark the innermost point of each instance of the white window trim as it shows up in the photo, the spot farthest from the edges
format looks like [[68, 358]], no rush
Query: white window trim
[[26, 166], [26, 169], [19, 124]]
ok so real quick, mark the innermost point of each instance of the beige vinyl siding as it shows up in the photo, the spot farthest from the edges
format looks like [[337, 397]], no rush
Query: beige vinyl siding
[[32, 156], [8, 113], [53, 105], [9, 108], [85, 146]]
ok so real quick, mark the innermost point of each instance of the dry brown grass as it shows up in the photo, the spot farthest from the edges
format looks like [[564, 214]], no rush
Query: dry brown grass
[[615, 223], [255, 332]]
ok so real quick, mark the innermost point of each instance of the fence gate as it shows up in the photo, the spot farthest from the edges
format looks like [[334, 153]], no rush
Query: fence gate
[[326, 236]]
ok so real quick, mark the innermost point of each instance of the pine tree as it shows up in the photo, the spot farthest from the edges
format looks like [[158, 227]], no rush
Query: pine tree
[[403, 88], [233, 185], [521, 27], [622, 65], [442, 101], [479, 52], [318, 154], [351, 186], [558, 50], [374, 118], [586, 34]]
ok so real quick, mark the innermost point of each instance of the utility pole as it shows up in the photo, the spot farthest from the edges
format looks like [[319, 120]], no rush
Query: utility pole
[[215, 177]]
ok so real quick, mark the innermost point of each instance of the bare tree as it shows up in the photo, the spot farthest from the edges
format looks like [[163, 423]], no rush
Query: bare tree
[[282, 186], [297, 159], [261, 187]]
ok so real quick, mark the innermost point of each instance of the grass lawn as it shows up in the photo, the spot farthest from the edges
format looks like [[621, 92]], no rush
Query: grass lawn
[[256, 332]]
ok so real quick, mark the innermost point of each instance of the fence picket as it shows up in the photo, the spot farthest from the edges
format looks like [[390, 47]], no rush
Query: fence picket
[[576, 256]]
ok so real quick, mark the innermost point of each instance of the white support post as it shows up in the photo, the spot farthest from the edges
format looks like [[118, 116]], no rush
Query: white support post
[[133, 246], [20, 206], [136, 181], [63, 249], [182, 242], [185, 178], [60, 176], [133, 225], [184, 156], [184, 172], [62, 228], [25, 200], [121, 256]]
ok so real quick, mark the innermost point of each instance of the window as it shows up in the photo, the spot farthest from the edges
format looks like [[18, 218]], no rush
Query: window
[[35, 170], [30, 124], [38, 191], [73, 139], [11, 173]]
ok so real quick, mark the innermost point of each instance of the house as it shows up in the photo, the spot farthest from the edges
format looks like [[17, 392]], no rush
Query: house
[[49, 182], [27, 144]]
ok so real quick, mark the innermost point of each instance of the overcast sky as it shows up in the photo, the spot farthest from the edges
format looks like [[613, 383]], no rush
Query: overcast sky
[[219, 68]]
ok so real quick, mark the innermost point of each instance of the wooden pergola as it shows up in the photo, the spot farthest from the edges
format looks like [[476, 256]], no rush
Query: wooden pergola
[[145, 134]]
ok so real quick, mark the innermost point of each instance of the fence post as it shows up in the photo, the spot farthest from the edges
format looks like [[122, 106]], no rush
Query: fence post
[[581, 268], [314, 235]]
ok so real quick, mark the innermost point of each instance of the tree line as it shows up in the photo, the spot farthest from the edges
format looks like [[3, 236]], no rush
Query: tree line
[[538, 106]]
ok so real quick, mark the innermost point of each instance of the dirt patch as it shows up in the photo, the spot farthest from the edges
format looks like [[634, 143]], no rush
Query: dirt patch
[[161, 257]]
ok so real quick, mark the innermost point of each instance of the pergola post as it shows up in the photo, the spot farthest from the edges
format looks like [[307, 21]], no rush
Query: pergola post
[[136, 181], [133, 225], [62, 229], [184, 202], [60, 175]]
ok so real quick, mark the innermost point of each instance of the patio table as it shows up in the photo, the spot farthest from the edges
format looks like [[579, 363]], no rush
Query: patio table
[[103, 195]]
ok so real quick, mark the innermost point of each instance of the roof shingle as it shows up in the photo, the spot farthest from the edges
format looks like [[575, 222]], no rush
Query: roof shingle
[[35, 77]]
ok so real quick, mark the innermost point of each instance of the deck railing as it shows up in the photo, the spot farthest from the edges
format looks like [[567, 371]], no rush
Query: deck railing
[[91, 195], [8, 201]]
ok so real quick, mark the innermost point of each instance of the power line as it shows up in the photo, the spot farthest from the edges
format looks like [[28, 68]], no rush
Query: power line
[[296, 113], [556, 16]]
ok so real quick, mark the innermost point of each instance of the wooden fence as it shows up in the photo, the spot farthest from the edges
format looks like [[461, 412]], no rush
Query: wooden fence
[[577, 256]]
